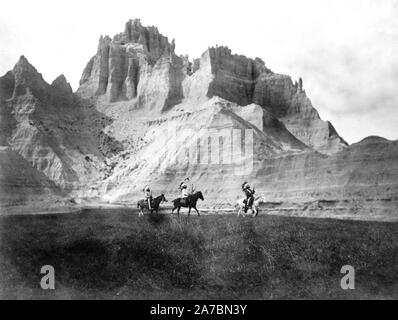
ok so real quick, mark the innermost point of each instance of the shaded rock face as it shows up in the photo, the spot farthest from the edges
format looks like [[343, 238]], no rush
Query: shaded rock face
[[7, 122], [48, 128], [235, 77], [291, 105], [62, 86], [19, 181]]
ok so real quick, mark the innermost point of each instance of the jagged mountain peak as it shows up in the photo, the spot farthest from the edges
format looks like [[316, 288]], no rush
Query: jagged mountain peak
[[28, 78], [221, 55], [23, 65], [23, 61], [60, 83], [149, 36], [115, 70], [154, 44], [60, 78]]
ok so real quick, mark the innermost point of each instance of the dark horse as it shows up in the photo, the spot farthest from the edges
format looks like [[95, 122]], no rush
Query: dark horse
[[189, 202], [143, 204]]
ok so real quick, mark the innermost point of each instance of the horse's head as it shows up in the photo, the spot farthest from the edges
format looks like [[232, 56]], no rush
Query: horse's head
[[163, 198], [240, 203], [200, 195]]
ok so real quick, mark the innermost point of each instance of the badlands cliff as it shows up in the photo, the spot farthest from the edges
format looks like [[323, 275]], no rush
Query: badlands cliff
[[143, 114]]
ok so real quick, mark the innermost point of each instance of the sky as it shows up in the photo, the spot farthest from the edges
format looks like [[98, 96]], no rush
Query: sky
[[346, 51]]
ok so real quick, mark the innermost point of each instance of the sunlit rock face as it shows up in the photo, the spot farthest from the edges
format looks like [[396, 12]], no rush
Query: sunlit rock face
[[144, 115], [187, 143]]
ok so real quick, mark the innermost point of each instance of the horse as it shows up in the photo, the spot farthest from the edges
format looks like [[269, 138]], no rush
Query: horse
[[155, 203], [241, 205], [190, 202]]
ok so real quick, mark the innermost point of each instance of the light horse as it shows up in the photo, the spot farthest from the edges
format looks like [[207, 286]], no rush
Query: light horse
[[143, 204], [190, 202], [256, 203]]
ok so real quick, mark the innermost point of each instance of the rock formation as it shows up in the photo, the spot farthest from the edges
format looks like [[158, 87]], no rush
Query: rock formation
[[244, 81], [143, 114], [50, 129], [140, 65]]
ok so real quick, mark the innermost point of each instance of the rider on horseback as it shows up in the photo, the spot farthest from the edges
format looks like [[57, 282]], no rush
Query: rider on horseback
[[148, 196], [185, 190], [249, 194]]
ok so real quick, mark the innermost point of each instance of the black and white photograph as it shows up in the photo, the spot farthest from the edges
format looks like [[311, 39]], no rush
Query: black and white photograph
[[204, 151]]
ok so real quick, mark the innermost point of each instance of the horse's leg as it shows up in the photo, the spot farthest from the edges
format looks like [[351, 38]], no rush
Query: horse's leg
[[256, 206], [254, 209], [196, 211], [178, 211], [189, 210]]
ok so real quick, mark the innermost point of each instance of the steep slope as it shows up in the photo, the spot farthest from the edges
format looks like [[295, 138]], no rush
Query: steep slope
[[20, 182], [210, 143], [360, 181], [52, 130]]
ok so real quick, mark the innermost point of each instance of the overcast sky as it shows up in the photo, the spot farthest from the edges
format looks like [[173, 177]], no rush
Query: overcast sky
[[346, 51]]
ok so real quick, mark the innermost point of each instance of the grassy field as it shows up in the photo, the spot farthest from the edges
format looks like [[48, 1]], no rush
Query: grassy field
[[117, 255]]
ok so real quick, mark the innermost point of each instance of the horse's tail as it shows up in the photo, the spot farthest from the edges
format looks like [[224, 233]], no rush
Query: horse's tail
[[138, 204]]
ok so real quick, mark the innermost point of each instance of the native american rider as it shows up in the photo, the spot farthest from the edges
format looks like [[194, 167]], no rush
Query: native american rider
[[249, 195], [186, 188]]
